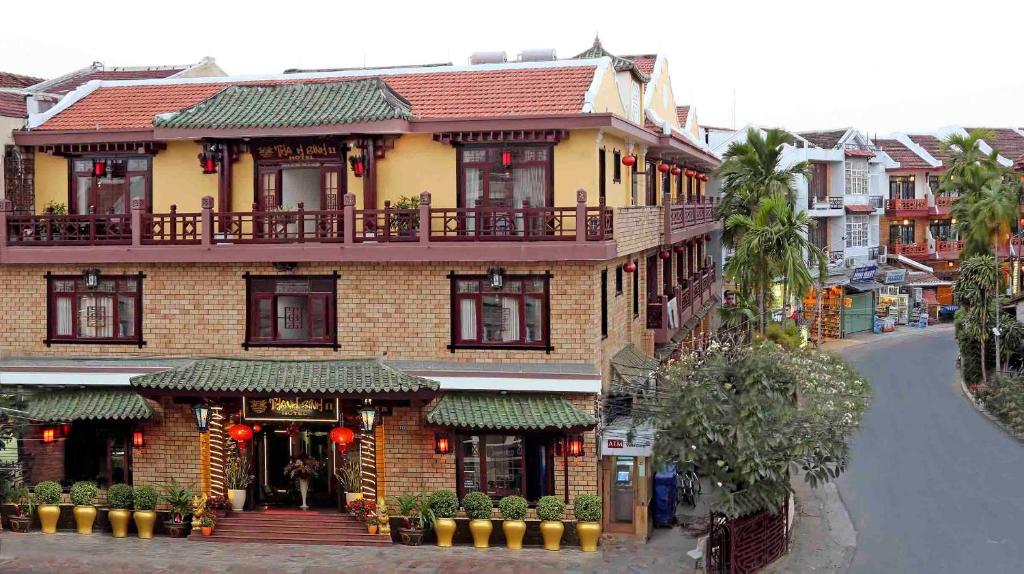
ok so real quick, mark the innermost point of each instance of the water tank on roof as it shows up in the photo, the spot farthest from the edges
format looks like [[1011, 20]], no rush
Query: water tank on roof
[[538, 55], [488, 58]]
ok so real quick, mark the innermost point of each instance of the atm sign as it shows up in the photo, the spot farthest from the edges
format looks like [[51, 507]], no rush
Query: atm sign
[[616, 443]]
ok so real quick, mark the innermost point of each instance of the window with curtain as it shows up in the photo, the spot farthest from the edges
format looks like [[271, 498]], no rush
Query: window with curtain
[[488, 181], [856, 176], [856, 231], [503, 464], [125, 179], [292, 310], [110, 312], [901, 187], [516, 314]]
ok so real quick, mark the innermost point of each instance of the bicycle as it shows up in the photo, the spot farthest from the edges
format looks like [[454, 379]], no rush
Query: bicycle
[[688, 488]]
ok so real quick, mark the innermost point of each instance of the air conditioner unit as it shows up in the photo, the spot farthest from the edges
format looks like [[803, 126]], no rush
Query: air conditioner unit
[[850, 262]]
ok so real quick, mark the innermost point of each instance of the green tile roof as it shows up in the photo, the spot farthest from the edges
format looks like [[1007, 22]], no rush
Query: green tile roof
[[88, 404], [498, 412], [633, 368], [620, 64], [354, 376], [291, 105]]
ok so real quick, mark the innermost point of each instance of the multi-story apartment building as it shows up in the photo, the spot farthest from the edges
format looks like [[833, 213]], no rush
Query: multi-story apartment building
[[456, 262]]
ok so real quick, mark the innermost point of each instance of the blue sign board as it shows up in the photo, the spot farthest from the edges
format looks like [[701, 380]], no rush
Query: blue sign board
[[864, 273]]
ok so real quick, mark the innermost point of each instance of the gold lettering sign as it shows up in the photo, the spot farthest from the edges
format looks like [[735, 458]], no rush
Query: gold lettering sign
[[297, 152], [291, 408]]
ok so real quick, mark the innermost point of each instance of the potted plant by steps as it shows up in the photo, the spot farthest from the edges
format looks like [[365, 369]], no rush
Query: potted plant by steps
[[587, 508], [416, 516], [513, 511], [179, 498], [47, 494], [83, 496], [350, 479], [20, 519], [238, 479], [372, 524], [145, 510], [445, 505], [206, 525], [120, 499], [363, 510], [479, 509], [551, 510], [217, 505], [302, 469]]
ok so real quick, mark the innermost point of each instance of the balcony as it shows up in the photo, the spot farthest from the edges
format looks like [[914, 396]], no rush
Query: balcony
[[825, 206], [876, 201], [666, 314], [687, 220], [917, 251], [948, 250], [943, 205], [917, 207]]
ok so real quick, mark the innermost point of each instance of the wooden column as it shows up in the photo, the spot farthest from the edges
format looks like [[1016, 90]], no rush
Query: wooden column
[[370, 177], [224, 183]]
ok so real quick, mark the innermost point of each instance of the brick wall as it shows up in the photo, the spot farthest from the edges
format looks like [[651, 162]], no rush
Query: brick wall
[[172, 448], [40, 461], [638, 228]]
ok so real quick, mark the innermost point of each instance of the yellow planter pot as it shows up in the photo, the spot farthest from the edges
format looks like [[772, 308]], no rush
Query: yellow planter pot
[[590, 534], [119, 522], [445, 529], [481, 530], [514, 531], [552, 531], [48, 516], [144, 522], [85, 516]]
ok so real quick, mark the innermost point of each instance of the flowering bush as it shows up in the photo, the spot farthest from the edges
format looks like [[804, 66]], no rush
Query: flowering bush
[[302, 467], [216, 503], [362, 509]]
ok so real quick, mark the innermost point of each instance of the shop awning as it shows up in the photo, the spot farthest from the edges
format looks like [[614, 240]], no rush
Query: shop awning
[[71, 405], [508, 412], [634, 369], [865, 286], [265, 377], [860, 208]]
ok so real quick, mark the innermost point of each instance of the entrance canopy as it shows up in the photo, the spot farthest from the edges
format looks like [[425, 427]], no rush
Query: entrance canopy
[[508, 412], [88, 404], [264, 377]]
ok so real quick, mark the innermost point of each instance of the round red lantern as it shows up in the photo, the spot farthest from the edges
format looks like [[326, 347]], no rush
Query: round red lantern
[[341, 436], [663, 167], [629, 160], [665, 254], [257, 427], [703, 177], [680, 249], [676, 170], [240, 432], [629, 267], [690, 173]]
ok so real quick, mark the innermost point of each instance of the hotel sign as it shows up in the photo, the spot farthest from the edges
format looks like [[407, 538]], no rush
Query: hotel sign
[[296, 151], [311, 409]]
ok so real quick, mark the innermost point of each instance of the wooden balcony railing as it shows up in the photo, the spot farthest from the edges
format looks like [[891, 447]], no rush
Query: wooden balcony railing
[[948, 247], [916, 204], [172, 228], [681, 216], [684, 300], [50, 229], [918, 249], [943, 203]]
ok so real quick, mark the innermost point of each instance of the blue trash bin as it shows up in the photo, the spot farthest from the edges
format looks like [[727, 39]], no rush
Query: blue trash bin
[[665, 497]]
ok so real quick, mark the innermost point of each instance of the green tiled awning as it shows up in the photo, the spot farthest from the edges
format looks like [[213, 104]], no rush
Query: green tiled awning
[[511, 412], [88, 404], [355, 376], [291, 105]]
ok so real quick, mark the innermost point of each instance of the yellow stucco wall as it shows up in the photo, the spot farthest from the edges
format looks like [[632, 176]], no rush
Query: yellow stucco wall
[[416, 164], [576, 167], [242, 190], [617, 194], [178, 179], [608, 98], [663, 101], [51, 180]]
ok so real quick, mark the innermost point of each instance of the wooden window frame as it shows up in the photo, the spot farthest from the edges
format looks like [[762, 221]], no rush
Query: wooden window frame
[[108, 431], [617, 167], [74, 175], [460, 463], [461, 164], [251, 312], [456, 339], [650, 183], [604, 303], [51, 311], [636, 288], [618, 281]]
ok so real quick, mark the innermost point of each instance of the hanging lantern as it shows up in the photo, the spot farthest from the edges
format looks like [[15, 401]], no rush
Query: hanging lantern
[[209, 158], [368, 414], [292, 429], [680, 248], [629, 160], [690, 173], [496, 277], [629, 267], [201, 412], [575, 445], [358, 165], [99, 168], [91, 277], [240, 432], [703, 177], [257, 427], [663, 167], [65, 429], [341, 436], [442, 444], [49, 434], [138, 439], [665, 254], [676, 170], [506, 158]]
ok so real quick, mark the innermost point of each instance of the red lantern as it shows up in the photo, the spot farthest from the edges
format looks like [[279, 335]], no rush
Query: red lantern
[[680, 249], [690, 173], [676, 170], [506, 158], [99, 168], [703, 177], [65, 429], [240, 433], [49, 435], [257, 427], [663, 167], [209, 166], [575, 446], [138, 440], [442, 445], [358, 167], [341, 436], [629, 160], [665, 255], [629, 267]]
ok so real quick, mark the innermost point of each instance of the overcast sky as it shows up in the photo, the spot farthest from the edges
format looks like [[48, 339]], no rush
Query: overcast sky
[[880, 66]]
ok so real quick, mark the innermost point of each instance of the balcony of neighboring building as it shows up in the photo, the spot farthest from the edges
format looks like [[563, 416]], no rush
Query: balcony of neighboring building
[[668, 313]]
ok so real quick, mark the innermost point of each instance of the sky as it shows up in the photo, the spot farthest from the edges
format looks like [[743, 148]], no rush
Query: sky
[[879, 66]]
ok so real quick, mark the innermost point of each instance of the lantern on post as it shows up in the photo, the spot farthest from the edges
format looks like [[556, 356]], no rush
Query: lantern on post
[[138, 439], [368, 415], [442, 444], [201, 412]]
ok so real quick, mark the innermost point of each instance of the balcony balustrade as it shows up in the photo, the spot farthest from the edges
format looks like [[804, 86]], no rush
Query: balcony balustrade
[[917, 250], [948, 249], [683, 302], [915, 205]]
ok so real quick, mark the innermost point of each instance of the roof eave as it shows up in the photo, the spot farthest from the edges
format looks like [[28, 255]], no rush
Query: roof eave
[[394, 126]]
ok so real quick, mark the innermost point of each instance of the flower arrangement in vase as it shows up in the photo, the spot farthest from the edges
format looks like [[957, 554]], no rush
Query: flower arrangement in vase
[[301, 469]]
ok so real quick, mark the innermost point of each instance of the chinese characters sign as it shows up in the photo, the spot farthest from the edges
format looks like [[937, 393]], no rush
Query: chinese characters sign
[[315, 409], [296, 151]]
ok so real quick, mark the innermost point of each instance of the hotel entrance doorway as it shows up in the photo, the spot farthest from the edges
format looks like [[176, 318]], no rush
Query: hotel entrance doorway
[[279, 445]]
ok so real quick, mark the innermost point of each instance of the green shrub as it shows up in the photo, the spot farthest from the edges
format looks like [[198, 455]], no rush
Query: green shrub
[[1004, 398], [513, 507], [145, 497], [478, 505], [444, 503], [47, 492], [550, 508], [588, 508], [120, 497], [83, 493], [787, 335]]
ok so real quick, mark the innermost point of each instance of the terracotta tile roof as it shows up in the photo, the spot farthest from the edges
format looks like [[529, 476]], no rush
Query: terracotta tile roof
[[826, 139], [932, 145], [12, 105], [1008, 142], [510, 91], [644, 62], [113, 74], [11, 80], [859, 208], [854, 152], [682, 112], [907, 157]]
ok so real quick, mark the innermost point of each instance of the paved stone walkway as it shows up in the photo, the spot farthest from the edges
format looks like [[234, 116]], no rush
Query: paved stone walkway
[[67, 553]]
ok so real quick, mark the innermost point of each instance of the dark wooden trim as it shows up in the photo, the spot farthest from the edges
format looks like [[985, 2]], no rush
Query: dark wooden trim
[[331, 319], [51, 339], [543, 345], [548, 136]]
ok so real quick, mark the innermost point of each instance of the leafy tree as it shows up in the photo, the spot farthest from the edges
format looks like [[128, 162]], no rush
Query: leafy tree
[[750, 416], [975, 292], [985, 209]]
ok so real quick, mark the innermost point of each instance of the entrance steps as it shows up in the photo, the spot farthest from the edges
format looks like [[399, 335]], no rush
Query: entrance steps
[[293, 527]]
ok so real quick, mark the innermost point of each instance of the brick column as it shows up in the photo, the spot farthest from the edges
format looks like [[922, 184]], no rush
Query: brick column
[[218, 478], [368, 463]]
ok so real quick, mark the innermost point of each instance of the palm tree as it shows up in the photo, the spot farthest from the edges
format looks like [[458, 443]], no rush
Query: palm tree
[[986, 208], [975, 293], [965, 151], [772, 242], [751, 171]]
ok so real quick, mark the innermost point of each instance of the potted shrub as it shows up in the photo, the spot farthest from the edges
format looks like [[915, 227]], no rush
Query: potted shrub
[[587, 508], [120, 499], [479, 508], [239, 479], [145, 510], [364, 511], [179, 498], [372, 524], [83, 496], [551, 510], [47, 494], [206, 525], [513, 511], [416, 516], [350, 479], [217, 505], [444, 505], [301, 469], [20, 519]]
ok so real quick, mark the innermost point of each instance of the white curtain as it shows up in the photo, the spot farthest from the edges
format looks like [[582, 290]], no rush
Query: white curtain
[[510, 322], [474, 191], [126, 317], [96, 316], [528, 186], [64, 318], [467, 319]]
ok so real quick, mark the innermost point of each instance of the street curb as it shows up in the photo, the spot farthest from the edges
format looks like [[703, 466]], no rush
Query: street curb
[[981, 409]]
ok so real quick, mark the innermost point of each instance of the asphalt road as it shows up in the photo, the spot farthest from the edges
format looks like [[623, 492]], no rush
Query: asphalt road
[[933, 486]]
